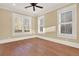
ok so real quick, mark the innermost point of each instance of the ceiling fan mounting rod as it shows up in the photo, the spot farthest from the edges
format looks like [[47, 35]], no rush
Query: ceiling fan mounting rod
[[33, 4]]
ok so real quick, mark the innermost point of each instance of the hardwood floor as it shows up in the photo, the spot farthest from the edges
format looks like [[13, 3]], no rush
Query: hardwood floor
[[37, 47]]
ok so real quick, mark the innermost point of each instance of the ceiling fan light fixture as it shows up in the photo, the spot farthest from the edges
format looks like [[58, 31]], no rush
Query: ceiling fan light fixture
[[14, 4], [34, 5]]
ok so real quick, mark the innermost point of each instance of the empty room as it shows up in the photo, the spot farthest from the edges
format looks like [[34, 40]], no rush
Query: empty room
[[39, 29]]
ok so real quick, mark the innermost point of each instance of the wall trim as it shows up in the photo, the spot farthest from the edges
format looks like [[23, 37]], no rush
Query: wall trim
[[7, 40], [68, 43]]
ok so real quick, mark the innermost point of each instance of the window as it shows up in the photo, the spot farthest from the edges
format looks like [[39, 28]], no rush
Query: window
[[21, 24], [67, 22], [41, 24], [27, 24]]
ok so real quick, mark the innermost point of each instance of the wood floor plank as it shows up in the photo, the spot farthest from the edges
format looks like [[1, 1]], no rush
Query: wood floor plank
[[37, 47]]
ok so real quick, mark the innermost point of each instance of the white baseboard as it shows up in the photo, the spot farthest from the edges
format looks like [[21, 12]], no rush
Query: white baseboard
[[68, 43], [15, 39]]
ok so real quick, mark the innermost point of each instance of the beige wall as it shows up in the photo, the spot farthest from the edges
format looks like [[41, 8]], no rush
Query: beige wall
[[78, 21], [34, 25], [50, 20], [5, 23]]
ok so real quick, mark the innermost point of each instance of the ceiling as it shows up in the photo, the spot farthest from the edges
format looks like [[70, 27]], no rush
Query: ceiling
[[19, 8]]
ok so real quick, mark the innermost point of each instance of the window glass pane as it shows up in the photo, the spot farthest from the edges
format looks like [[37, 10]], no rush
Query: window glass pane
[[41, 29], [41, 22], [66, 28], [18, 25], [26, 29], [26, 22], [26, 25], [66, 16]]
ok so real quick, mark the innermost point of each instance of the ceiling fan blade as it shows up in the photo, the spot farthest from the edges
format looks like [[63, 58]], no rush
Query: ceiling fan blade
[[33, 8], [28, 6], [39, 6]]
